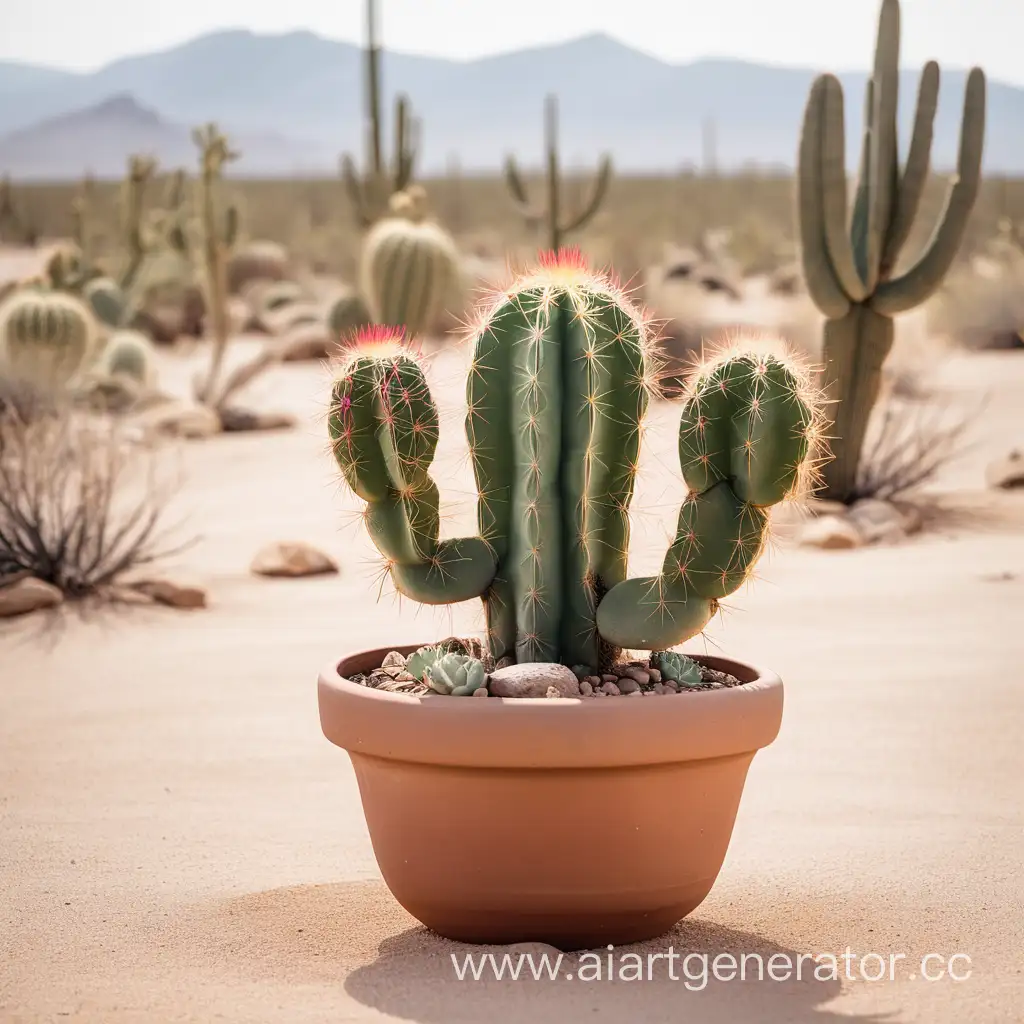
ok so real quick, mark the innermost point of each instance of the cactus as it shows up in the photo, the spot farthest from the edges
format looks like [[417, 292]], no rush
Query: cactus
[[220, 231], [15, 229], [128, 354], [45, 337], [369, 193], [551, 213], [409, 268], [347, 313], [678, 668], [852, 277], [557, 393], [456, 675]]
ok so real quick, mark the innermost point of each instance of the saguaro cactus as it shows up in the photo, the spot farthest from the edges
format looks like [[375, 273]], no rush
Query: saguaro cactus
[[851, 274], [551, 214], [370, 191], [557, 393]]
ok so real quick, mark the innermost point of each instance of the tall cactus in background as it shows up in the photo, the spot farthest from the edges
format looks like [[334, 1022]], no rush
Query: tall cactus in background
[[370, 191], [851, 275], [409, 266], [557, 393], [220, 231], [551, 214]]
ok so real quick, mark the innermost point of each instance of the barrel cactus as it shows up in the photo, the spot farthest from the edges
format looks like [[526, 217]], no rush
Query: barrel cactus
[[347, 313], [45, 337], [129, 354], [106, 300], [558, 389], [852, 276], [409, 267]]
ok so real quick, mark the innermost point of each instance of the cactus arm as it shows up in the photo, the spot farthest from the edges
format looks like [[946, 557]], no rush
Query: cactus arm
[[405, 129], [884, 155], [356, 191], [600, 189], [383, 427], [924, 277], [915, 173], [736, 467], [862, 197], [822, 281], [833, 185], [515, 183]]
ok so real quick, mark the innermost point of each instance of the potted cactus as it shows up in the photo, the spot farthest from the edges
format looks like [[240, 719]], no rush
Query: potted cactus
[[590, 798]]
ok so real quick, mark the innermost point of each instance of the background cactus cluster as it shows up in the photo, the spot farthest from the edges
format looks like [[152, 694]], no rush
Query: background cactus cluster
[[557, 392]]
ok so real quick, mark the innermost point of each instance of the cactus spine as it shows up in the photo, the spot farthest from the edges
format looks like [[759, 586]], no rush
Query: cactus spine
[[409, 267], [557, 227], [369, 193], [557, 393], [45, 337], [851, 275]]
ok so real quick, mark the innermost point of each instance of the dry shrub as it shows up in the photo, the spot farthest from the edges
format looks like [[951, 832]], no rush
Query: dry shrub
[[78, 505], [981, 304], [909, 443]]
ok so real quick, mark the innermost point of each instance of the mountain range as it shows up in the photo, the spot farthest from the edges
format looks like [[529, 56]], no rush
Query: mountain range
[[293, 102]]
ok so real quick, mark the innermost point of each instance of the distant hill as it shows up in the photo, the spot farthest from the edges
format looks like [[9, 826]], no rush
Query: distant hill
[[99, 139], [305, 92]]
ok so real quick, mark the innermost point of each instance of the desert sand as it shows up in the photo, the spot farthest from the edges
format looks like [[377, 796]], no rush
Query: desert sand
[[178, 842]]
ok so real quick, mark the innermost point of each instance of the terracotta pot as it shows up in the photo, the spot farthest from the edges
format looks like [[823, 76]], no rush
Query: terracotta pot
[[577, 822]]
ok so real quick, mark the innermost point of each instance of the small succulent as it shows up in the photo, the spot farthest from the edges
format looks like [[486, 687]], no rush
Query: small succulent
[[677, 667], [456, 675], [421, 660]]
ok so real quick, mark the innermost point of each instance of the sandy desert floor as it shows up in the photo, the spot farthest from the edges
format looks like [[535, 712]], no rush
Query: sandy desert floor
[[178, 842]]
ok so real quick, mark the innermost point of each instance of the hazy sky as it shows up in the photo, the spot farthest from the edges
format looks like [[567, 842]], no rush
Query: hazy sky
[[837, 34]]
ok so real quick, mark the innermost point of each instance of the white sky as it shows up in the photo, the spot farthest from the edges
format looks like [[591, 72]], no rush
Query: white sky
[[837, 34]]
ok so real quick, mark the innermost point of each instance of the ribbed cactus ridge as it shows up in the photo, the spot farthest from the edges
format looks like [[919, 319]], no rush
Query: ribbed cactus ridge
[[851, 273], [347, 313], [106, 300], [557, 392], [383, 426], [45, 336], [128, 354], [408, 270], [558, 388]]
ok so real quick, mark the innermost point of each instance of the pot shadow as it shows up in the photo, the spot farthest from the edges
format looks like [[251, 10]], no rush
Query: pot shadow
[[388, 962], [414, 978]]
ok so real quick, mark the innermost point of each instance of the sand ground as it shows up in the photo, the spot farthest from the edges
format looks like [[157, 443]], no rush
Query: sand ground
[[178, 842]]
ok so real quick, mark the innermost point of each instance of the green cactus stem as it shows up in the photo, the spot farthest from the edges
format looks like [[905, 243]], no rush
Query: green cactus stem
[[409, 268], [558, 388], [551, 214], [220, 231], [851, 273], [370, 191]]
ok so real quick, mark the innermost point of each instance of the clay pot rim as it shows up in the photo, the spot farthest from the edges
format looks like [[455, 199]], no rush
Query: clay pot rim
[[567, 732]]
